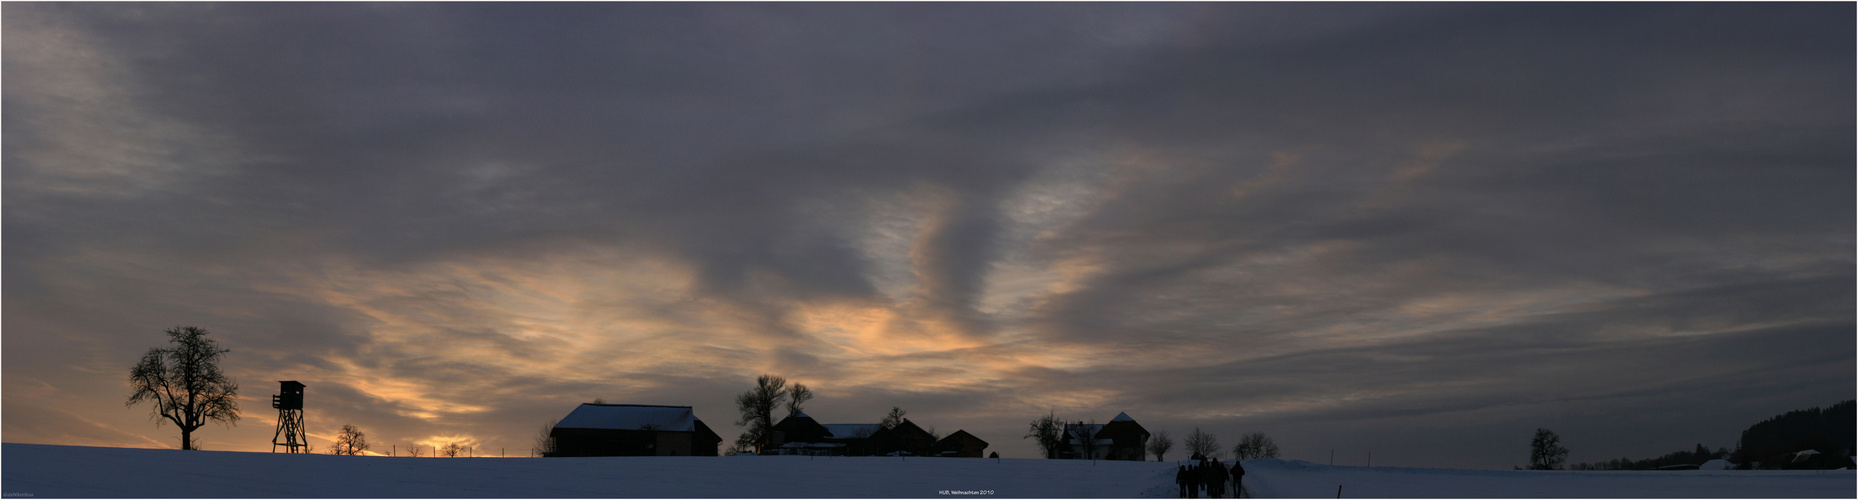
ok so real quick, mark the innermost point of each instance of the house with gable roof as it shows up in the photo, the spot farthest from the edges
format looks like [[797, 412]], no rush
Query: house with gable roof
[[1120, 439], [801, 434], [960, 444], [622, 430]]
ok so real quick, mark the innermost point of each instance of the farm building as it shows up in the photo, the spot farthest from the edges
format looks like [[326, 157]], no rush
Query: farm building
[[800, 434], [960, 444], [1128, 440], [906, 438], [616, 430], [1121, 439]]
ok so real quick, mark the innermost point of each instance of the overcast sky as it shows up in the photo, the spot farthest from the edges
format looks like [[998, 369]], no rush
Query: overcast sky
[[1417, 230]]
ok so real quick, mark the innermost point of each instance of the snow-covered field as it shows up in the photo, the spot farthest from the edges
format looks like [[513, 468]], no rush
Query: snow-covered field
[[1299, 479], [44, 471]]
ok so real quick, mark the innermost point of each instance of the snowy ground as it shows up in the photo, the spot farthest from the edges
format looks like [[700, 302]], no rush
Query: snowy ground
[[1299, 479], [66, 471], [44, 471]]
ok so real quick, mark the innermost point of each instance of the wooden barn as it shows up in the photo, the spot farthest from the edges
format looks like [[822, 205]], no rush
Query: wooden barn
[[960, 444], [800, 434], [906, 438], [616, 430]]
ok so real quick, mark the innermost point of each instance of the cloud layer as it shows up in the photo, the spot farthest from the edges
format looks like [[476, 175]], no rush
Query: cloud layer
[[1422, 230]]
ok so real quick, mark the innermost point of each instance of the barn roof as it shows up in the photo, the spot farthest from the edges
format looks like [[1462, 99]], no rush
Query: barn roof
[[1074, 433], [959, 434], [630, 417], [842, 431]]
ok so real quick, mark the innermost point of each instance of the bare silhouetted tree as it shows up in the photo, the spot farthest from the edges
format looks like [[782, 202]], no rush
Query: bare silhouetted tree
[[893, 418], [1254, 445], [350, 442], [743, 444], [1159, 445], [757, 408], [1545, 451], [544, 440], [1048, 431], [1201, 444], [451, 449], [797, 396], [185, 383], [1084, 434]]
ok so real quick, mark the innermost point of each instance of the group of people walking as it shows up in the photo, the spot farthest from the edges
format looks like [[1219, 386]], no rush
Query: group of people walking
[[1211, 477]]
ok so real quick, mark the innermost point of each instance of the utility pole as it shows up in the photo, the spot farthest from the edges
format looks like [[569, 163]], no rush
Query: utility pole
[[1332, 460]]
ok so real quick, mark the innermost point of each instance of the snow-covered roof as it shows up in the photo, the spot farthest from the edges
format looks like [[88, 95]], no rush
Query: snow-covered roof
[[630, 417], [1717, 464], [1075, 432], [842, 431], [813, 445], [1122, 417]]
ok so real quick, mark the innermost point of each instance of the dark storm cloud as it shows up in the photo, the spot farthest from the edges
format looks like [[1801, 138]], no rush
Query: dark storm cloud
[[1270, 213]]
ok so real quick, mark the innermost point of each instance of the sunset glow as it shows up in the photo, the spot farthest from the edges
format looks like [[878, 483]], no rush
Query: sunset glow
[[1422, 230]]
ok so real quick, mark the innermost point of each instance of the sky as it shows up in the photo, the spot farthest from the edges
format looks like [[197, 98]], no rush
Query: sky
[[1417, 231]]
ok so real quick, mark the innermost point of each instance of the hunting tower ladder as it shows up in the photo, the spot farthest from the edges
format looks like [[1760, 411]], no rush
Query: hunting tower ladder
[[289, 406]]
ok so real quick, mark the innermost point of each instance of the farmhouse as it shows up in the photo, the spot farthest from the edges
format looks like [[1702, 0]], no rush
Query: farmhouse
[[906, 438], [616, 430], [800, 434], [1121, 439]]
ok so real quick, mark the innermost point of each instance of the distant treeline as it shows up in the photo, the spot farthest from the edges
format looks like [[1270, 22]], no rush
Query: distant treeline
[[1774, 441], [1694, 457], [1770, 444]]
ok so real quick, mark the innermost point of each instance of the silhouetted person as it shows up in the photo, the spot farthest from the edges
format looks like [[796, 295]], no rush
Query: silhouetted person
[[1206, 480], [1193, 481], [1180, 479], [1224, 479], [1238, 479], [1214, 478]]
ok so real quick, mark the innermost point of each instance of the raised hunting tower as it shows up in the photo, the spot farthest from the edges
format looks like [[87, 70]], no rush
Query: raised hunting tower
[[289, 404]]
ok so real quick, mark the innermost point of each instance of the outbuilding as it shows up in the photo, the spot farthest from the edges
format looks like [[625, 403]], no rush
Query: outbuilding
[[960, 444], [622, 430]]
